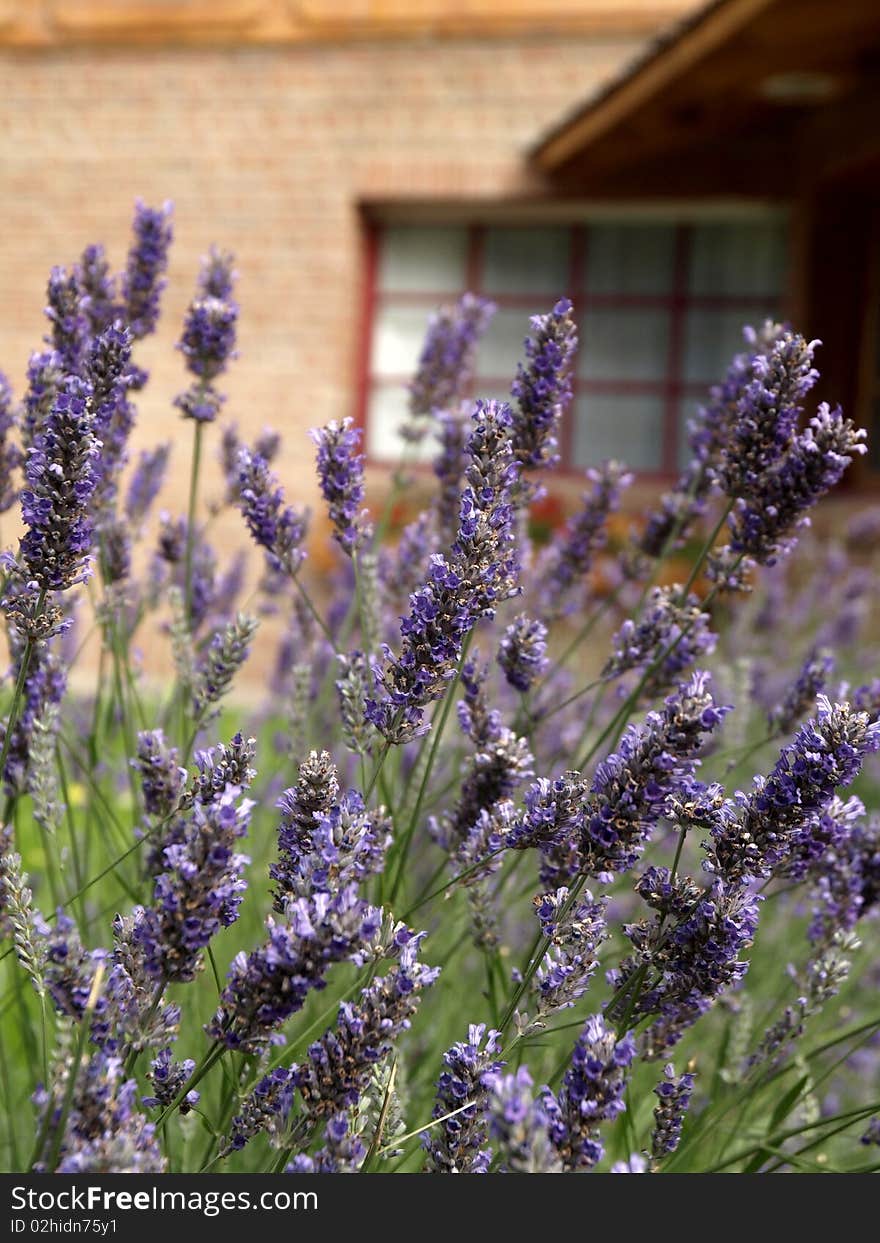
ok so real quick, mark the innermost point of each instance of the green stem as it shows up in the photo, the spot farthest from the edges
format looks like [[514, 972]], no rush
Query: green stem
[[437, 730], [191, 520]]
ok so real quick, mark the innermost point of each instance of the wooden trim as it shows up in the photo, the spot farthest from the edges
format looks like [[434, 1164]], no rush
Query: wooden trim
[[648, 78], [40, 24]]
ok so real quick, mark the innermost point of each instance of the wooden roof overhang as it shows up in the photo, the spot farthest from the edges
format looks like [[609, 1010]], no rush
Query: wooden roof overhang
[[746, 97]]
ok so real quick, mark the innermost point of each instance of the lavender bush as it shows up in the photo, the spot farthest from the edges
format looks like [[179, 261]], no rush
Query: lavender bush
[[519, 867]]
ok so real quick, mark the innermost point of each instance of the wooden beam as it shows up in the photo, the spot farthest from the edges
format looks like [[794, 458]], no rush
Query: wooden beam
[[52, 23], [718, 24]]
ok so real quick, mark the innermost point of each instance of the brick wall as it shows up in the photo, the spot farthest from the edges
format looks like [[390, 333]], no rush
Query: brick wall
[[267, 150]]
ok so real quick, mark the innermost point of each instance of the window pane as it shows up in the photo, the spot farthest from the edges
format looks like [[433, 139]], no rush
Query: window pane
[[624, 345], [397, 340], [630, 259], [386, 413], [525, 261], [422, 260], [502, 346], [742, 257], [627, 428], [713, 337]]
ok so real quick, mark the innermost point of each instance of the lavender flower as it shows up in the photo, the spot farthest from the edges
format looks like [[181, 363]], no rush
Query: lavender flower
[[542, 388], [60, 478], [481, 571], [630, 788], [677, 972], [592, 1093], [708, 435], [766, 415], [103, 1131], [45, 376], [227, 653], [800, 697], [345, 846], [446, 362], [217, 276], [574, 931], [99, 287], [66, 313], [846, 877], [276, 527], [228, 764], [146, 483], [271, 983], [570, 560], [341, 476], [519, 1124], [162, 777], [500, 763], [168, 1078], [200, 890], [207, 343], [10, 454], [343, 1152], [668, 639], [674, 1093], [760, 526], [521, 652], [143, 279], [340, 1063], [776, 829], [456, 1145], [302, 808]]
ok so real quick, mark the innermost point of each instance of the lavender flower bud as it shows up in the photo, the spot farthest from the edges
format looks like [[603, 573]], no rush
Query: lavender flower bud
[[276, 527], [99, 287], [672, 632], [631, 786], [677, 975], [45, 376], [592, 1093], [341, 475], [143, 279], [446, 362], [199, 892], [104, 1132], [570, 960], [761, 526], [521, 652], [570, 559], [217, 276], [60, 478], [270, 984], [227, 653], [777, 825], [66, 313], [766, 415], [302, 808], [340, 1063], [542, 388], [456, 1145], [481, 571], [800, 697], [518, 1125], [674, 1094], [168, 1078]]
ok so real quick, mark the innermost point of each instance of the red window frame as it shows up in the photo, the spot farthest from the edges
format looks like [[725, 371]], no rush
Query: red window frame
[[673, 388]]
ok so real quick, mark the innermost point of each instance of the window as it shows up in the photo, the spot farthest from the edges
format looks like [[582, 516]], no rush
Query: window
[[660, 307]]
